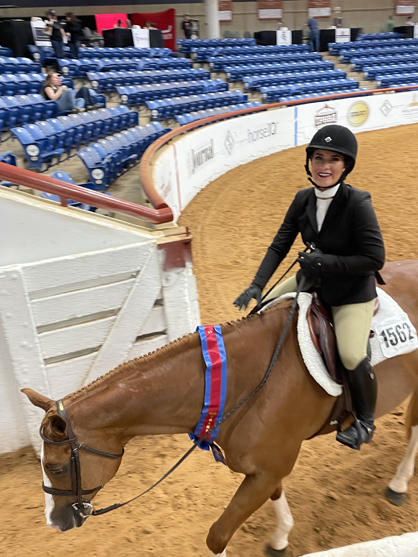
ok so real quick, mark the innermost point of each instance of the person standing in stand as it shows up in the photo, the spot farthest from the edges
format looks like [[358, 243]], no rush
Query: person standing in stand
[[313, 34], [74, 33], [186, 27], [57, 34]]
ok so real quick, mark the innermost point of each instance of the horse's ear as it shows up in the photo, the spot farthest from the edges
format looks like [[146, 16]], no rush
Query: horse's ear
[[57, 424], [38, 400]]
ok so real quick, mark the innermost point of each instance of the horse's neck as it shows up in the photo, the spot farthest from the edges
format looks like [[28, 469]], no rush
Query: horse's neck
[[160, 393]]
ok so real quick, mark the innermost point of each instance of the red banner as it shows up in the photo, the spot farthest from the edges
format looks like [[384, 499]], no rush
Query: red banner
[[405, 7], [225, 10], [164, 21], [109, 21], [270, 9], [319, 8]]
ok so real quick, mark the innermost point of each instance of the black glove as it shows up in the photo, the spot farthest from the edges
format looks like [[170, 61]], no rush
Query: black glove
[[252, 291], [311, 263]]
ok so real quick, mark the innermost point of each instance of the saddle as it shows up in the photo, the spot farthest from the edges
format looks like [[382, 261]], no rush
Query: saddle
[[322, 333]]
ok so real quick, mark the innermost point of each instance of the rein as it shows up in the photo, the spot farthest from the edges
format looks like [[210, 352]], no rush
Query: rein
[[85, 509]]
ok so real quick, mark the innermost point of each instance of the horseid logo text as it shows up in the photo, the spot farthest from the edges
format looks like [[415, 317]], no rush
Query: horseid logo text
[[272, 128], [200, 156], [325, 115]]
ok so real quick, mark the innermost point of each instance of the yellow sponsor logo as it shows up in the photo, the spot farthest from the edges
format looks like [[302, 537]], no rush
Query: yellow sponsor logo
[[358, 113]]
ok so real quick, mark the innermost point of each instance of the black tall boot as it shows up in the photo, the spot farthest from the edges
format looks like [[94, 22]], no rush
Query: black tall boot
[[363, 388]]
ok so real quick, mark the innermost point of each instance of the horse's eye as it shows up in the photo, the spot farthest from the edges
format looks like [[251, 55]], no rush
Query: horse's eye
[[56, 470]]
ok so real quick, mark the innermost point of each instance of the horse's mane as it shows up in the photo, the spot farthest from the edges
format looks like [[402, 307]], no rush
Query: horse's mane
[[133, 365]]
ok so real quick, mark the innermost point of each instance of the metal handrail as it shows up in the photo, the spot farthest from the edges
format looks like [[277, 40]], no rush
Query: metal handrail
[[67, 191], [147, 159]]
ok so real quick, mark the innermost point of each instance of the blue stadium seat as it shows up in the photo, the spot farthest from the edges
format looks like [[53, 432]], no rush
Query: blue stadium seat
[[37, 149]]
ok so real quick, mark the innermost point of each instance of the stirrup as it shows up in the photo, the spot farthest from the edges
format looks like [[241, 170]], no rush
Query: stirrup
[[357, 434]]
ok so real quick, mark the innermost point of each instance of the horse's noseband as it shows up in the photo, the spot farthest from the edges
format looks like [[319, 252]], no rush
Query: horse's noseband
[[81, 507]]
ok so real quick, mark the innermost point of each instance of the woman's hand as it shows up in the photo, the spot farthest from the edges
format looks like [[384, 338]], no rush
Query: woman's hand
[[311, 263], [245, 298]]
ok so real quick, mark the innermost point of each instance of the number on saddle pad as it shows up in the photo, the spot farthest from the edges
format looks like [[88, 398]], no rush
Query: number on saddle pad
[[395, 334]]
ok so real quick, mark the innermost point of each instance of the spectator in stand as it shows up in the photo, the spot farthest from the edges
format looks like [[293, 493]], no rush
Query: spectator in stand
[[280, 24], [128, 24], [409, 20], [390, 24], [313, 34], [186, 27], [74, 32], [57, 34], [147, 25], [68, 100]]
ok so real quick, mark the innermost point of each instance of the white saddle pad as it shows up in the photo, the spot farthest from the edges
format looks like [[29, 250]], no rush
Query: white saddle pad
[[394, 335]]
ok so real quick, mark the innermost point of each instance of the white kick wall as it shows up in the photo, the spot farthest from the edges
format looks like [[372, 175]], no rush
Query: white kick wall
[[197, 158], [79, 295]]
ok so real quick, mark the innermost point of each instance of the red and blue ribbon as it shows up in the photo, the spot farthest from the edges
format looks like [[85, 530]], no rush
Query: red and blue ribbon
[[214, 354]]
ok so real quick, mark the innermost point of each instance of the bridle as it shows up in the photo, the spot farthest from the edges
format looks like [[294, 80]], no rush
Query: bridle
[[81, 507]]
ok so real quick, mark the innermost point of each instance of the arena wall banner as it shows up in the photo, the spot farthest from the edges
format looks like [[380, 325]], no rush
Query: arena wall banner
[[359, 114], [184, 168], [319, 8], [109, 21], [270, 9], [225, 10], [342, 35], [405, 7], [165, 21], [200, 157]]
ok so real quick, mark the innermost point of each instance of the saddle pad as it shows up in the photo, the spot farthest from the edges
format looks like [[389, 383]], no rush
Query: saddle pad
[[394, 335]]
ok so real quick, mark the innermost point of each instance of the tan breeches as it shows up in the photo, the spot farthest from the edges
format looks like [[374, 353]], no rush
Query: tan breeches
[[351, 322]]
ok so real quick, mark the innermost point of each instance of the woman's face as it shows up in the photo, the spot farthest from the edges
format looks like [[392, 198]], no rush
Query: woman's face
[[327, 167], [55, 80]]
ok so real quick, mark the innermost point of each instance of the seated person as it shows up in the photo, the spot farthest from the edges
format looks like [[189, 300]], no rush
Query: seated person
[[68, 99]]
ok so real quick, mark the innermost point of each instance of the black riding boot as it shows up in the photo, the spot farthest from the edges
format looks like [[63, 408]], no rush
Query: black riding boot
[[363, 388]]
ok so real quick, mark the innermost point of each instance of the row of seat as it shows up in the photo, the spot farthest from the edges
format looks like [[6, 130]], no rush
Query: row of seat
[[372, 72], [18, 65], [21, 83], [65, 177], [235, 73], [80, 68], [46, 142], [336, 48], [202, 54], [6, 51], [185, 45], [220, 62], [285, 78], [169, 108], [41, 53], [306, 96], [23, 109], [352, 53], [135, 95], [358, 64], [274, 94], [108, 81], [397, 80], [109, 158], [184, 119]]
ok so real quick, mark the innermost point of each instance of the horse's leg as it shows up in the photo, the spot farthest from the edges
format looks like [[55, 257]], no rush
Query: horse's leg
[[396, 492], [251, 494], [280, 539]]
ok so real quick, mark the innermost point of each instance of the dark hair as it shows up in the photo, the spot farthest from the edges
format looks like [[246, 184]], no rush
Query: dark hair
[[47, 82], [72, 16]]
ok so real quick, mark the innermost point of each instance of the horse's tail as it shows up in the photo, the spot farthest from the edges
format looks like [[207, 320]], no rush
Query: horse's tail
[[411, 418]]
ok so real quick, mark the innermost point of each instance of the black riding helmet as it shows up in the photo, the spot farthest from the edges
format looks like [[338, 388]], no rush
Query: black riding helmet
[[337, 139]]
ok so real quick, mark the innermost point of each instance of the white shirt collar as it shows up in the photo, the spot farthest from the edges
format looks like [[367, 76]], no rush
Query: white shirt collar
[[327, 193]]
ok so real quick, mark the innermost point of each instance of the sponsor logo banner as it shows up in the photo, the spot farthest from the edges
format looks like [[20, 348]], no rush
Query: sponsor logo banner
[[270, 9], [405, 7], [319, 8], [325, 115], [200, 156], [358, 113], [225, 10]]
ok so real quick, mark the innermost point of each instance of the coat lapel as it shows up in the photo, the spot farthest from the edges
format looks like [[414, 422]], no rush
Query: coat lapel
[[311, 209], [336, 203]]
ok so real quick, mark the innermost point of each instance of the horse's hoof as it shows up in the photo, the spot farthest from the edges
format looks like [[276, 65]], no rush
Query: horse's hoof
[[270, 552], [394, 497]]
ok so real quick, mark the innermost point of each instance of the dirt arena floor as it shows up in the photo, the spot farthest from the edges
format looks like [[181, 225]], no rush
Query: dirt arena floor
[[335, 494]]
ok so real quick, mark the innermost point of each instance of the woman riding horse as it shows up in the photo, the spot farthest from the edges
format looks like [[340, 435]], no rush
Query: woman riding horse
[[340, 222]]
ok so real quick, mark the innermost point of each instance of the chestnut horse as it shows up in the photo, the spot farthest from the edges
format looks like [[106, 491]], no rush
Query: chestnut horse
[[162, 393]]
